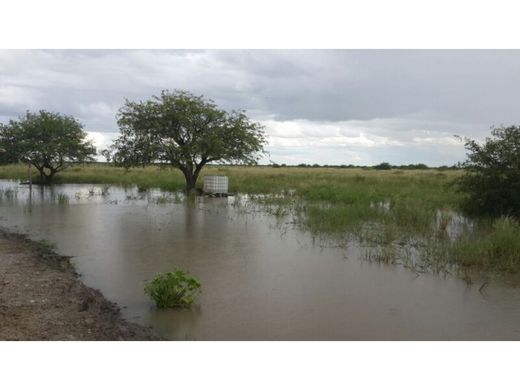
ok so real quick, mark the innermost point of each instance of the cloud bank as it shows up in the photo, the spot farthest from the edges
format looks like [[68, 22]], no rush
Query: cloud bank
[[318, 106]]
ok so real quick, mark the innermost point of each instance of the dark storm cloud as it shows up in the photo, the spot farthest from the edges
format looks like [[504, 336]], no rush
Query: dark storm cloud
[[324, 106]]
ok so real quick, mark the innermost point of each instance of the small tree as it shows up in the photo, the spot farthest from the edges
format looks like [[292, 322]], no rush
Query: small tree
[[492, 174], [383, 166], [185, 131], [48, 141], [107, 154]]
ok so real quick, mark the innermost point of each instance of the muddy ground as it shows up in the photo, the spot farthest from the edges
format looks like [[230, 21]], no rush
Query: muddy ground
[[42, 298]]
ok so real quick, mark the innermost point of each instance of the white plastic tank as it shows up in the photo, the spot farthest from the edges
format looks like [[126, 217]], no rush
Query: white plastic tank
[[216, 184]]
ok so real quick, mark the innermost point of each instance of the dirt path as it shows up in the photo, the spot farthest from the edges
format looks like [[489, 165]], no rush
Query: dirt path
[[42, 298]]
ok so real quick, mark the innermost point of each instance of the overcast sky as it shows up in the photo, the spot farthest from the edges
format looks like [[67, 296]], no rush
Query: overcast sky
[[318, 106]]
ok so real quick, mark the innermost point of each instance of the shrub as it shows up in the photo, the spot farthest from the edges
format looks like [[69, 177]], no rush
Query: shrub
[[383, 166], [173, 289], [492, 174]]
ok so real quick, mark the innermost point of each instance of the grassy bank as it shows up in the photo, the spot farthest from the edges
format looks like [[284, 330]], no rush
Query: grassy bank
[[409, 217]]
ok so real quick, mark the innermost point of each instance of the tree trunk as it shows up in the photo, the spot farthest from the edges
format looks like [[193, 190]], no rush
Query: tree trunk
[[44, 177], [191, 175], [50, 177], [191, 181]]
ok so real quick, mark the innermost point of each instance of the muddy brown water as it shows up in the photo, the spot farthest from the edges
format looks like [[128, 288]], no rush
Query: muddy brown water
[[262, 278]]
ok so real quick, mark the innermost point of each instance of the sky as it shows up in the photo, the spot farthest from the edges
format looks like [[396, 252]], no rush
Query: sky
[[332, 107]]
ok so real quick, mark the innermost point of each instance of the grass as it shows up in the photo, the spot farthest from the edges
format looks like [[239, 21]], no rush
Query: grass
[[409, 217], [173, 289], [8, 194], [495, 247], [62, 199]]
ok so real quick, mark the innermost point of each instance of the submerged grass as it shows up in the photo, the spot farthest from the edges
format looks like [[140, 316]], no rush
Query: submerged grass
[[495, 247], [398, 216]]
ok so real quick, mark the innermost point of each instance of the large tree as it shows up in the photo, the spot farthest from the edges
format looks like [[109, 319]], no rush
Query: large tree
[[48, 141], [187, 132], [492, 173]]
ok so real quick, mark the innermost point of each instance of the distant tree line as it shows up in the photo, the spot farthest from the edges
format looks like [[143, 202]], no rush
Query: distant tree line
[[381, 166]]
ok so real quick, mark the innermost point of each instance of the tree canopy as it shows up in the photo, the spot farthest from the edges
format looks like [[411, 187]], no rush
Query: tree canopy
[[48, 141], [185, 131], [492, 178]]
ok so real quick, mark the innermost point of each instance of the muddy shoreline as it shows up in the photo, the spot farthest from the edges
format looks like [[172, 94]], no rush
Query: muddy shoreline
[[43, 298]]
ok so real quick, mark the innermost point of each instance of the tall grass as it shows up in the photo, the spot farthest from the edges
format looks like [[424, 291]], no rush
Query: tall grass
[[495, 247]]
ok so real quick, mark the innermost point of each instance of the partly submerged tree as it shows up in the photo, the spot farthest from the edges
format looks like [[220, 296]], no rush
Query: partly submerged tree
[[492, 174], [187, 132], [48, 141]]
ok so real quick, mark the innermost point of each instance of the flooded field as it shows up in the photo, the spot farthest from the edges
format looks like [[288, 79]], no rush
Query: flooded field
[[263, 278]]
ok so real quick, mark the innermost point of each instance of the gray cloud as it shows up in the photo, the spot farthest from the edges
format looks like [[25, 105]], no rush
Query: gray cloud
[[325, 106]]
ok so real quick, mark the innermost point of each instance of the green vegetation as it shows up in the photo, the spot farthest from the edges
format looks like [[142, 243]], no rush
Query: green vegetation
[[62, 199], [408, 217], [186, 132], [8, 194], [46, 245], [173, 289], [496, 247], [492, 179], [383, 166], [48, 141]]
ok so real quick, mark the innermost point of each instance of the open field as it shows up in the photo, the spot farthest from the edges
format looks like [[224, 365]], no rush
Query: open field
[[409, 217]]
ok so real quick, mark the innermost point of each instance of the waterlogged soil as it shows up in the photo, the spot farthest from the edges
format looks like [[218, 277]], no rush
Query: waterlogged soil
[[263, 278], [42, 298]]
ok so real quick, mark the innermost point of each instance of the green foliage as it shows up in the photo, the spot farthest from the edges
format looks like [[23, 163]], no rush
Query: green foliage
[[383, 166], [107, 154], [48, 141], [46, 245], [173, 289], [185, 131], [492, 179], [497, 248]]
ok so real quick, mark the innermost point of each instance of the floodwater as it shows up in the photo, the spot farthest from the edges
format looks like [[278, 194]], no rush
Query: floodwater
[[262, 278]]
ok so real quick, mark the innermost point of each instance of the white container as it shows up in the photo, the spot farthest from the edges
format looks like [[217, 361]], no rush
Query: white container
[[216, 184]]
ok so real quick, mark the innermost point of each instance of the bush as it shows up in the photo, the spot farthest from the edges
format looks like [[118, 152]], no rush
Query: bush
[[492, 174], [383, 166], [173, 289]]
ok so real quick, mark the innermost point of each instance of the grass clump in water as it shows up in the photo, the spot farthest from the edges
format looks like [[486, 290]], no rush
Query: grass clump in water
[[8, 194], [62, 199], [173, 289], [495, 248]]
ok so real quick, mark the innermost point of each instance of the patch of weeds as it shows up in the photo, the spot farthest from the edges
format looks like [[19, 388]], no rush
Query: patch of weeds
[[62, 199], [47, 245], [173, 289], [382, 254], [105, 190], [163, 199], [9, 194], [495, 247]]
